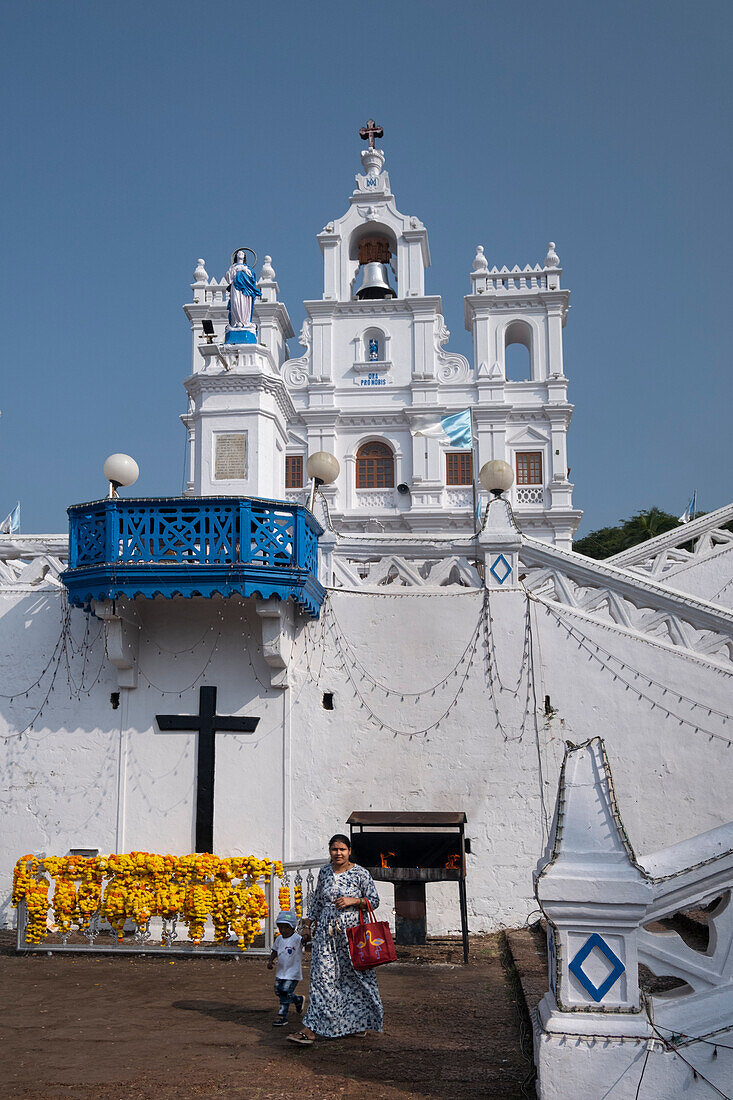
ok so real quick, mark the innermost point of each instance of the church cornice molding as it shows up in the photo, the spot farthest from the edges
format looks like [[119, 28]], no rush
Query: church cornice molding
[[325, 308], [372, 420], [274, 313], [205, 385]]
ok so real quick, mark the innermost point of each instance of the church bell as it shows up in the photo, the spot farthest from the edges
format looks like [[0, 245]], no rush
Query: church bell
[[374, 254], [374, 282]]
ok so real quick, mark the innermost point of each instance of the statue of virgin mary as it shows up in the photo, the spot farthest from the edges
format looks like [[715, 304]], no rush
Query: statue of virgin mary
[[243, 290]]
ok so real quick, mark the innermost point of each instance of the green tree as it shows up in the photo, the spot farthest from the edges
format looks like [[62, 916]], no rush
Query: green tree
[[606, 541]]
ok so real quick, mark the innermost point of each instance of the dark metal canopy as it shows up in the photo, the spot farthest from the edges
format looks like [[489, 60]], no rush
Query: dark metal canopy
[[405, 817]]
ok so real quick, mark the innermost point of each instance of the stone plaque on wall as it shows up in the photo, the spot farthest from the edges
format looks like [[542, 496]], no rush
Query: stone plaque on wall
[[230, 456]]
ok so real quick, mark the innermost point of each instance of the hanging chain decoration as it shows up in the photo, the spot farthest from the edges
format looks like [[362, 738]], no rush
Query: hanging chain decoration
[[617, 668], [347, 663], [526, 671], [347, 650], [314, 641], [65, 654]]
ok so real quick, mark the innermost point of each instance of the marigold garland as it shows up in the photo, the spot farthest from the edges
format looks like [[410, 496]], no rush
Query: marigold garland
[[141, 885]]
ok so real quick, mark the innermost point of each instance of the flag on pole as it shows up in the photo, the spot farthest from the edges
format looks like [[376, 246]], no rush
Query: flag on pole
[[11, 524], [454, 429], [689, 512]]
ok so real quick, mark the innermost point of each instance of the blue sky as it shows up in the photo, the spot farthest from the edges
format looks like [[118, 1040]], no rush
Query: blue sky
[[138, 137]]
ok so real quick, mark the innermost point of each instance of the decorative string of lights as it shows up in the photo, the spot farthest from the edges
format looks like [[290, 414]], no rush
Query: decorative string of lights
[[179, 691], [491, 646], [668, 1045], [603, 657], [313, 644], [53, 659], [381, 722], [66, 650], [720, 591], [344, 645], [164, 649], [689, 1039], [249, 640]]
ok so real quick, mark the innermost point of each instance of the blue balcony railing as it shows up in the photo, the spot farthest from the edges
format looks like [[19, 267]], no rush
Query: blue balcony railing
[[172, 546]]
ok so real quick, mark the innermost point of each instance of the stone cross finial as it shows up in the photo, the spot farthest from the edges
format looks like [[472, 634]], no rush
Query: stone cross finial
[[370, 132]]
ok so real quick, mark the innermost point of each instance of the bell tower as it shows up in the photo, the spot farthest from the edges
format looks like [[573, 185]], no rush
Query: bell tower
[[524, 420]]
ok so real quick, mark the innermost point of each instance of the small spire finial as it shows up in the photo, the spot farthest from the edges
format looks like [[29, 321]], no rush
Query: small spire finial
[[200, 275], [480, 262], [552, 259], [370, 132], [266, 281]]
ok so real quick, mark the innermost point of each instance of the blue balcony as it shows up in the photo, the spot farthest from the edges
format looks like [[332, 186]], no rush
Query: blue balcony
[[203, 546]]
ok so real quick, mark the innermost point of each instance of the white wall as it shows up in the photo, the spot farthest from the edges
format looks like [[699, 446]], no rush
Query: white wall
[[285, 789]]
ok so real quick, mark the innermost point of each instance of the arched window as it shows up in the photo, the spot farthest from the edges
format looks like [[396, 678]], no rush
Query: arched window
[[518, 352], [374, 466]]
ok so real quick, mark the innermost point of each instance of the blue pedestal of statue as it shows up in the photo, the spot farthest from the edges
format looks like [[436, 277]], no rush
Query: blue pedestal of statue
[[240, 336]]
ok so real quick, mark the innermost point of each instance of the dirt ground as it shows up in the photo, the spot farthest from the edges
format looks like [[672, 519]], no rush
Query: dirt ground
[[104, 1027]]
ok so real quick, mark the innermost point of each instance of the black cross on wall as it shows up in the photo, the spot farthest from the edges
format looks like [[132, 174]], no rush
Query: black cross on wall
[[207, 723]]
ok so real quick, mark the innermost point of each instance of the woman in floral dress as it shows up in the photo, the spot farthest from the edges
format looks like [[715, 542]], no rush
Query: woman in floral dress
[[341, 1001]]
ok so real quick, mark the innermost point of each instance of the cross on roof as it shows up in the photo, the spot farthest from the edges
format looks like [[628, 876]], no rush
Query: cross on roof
[[370, 132], [207, 723]]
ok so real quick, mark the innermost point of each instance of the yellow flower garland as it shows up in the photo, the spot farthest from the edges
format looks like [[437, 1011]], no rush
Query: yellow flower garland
[[141, 885]]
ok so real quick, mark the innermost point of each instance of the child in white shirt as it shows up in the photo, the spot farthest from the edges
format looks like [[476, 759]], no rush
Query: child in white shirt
[[288, 951]]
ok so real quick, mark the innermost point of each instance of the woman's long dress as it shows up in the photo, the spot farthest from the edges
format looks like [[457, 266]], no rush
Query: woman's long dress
[[341, 1000]]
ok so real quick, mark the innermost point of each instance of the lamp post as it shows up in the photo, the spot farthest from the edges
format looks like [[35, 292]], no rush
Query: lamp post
[[120, 470], [323, 468], [496, 476]]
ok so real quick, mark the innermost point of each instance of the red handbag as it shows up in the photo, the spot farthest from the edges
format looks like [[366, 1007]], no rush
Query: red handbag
[[370, 942]]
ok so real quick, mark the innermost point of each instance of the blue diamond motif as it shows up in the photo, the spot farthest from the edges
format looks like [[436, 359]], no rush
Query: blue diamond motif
[[597, 992], [503, 566]]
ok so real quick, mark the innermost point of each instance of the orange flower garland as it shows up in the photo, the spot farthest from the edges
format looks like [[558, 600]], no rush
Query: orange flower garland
[[141, 885]]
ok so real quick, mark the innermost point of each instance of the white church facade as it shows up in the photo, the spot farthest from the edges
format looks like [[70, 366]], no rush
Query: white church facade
[[396, 658]]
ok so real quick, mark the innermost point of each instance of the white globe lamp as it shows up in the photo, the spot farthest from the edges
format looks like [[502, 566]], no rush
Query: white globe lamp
[[323, 469], [496, 476], [120, 470]]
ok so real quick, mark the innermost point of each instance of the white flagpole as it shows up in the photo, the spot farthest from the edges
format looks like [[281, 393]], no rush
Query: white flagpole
[[473, 471]]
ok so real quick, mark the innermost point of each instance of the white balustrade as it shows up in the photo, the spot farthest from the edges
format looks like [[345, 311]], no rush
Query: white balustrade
[[459, 497], [375, 498], [391, 570], [529, 494], [523, 279]]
